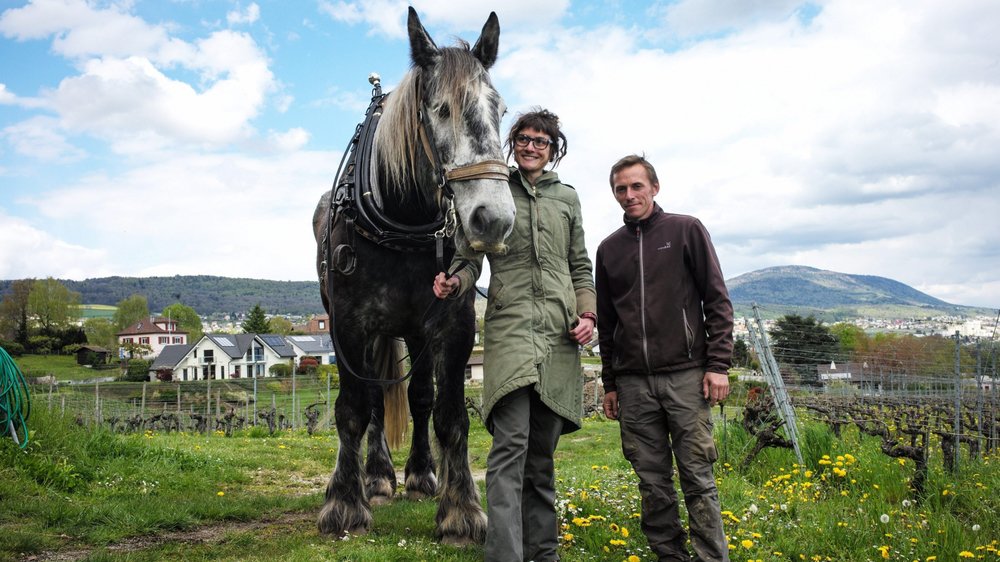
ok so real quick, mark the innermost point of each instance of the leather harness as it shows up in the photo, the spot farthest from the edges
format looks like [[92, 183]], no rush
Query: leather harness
[[352, 201]]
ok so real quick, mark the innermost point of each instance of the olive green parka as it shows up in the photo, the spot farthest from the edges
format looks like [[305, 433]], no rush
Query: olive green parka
[[538, 288]]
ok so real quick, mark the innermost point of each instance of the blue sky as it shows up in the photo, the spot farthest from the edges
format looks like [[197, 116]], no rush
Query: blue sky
[[143, 138]]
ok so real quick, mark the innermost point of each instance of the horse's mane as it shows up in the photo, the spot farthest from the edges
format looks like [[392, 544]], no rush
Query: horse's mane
[[397, 142]]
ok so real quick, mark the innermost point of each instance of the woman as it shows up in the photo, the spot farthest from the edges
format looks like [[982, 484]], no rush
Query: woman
[[540, 309]]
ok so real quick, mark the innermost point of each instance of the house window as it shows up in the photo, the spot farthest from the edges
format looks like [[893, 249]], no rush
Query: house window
[[236, 372], [178, 339], [322, 324], [209, 356], [143, 341], [164, 340], [127, 340], [258, 354]]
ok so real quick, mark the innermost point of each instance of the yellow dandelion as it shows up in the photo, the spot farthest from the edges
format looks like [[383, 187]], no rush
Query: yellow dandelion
[[220, 493], [625, 532], [633, 558], [613, 527], [617, 542], [966, 554], [567, 537], [746, 543]]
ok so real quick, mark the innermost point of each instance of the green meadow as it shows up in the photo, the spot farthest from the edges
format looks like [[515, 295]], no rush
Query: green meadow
[[79, 493]]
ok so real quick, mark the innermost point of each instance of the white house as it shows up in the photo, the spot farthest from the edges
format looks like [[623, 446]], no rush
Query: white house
[[316, 346], [156, 332], [225, 356]]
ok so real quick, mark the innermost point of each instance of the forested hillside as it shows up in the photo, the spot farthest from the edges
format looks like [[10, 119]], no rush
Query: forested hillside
[[204, 293]]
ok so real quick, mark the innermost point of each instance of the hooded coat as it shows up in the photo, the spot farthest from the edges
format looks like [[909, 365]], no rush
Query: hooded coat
[[538, 288]]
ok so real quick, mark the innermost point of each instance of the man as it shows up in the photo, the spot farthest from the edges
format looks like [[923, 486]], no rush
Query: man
[[666, 337]]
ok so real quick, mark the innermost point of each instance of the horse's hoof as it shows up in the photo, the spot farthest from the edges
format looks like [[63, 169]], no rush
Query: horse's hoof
[[460, 542], [336, 518], [379, 500], [416, 495]]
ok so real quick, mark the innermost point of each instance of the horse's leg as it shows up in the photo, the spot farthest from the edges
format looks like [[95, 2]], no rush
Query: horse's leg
[[460, 518], [346, 510], [380, 476], [420, 479]]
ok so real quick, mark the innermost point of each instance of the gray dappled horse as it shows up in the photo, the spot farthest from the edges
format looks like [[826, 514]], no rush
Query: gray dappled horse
[[426, 164]]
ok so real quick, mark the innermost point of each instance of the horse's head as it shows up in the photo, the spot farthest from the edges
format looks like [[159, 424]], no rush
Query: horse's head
[[460, 112]]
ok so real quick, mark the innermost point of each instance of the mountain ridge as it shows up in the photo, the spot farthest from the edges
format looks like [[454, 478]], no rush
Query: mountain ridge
[[780, 290], [832, 295]]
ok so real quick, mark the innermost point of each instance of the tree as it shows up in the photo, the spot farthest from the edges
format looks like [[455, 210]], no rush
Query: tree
[[187, 320], [256, 322], [851, 338], [741, 354], [130, 311], [14, 312], [101, 332], [803, 343], [53, 305], [280, 325]]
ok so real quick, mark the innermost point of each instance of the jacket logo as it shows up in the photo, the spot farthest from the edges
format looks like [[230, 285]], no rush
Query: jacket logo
[[664, 247]]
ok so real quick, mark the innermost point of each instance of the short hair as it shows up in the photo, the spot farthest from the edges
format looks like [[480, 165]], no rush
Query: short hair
[[545, 121], [632, 160]]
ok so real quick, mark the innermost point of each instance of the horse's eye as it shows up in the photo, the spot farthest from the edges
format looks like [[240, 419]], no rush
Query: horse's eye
[[443, 111]]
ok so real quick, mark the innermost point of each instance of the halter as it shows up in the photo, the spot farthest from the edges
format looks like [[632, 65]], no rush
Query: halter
[[352, 193]]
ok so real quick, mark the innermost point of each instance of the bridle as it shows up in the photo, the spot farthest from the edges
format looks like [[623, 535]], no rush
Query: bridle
[[352, 202]]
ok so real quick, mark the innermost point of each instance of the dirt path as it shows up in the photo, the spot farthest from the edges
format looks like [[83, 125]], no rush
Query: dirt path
[[207, 534]]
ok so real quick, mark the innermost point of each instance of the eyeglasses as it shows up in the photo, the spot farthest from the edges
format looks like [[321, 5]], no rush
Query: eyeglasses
[[538, 142]]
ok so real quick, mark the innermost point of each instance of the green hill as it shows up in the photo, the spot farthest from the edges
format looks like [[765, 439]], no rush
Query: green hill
[[830, 295], [205, 293]]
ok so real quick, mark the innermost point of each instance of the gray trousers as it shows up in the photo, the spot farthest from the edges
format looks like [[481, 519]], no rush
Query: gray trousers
[[520, 480], [666, 417]]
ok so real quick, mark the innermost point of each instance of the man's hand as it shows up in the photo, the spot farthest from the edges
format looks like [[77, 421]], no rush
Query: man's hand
[[611, 404], [445, 286], [583, 331], [716, 387]]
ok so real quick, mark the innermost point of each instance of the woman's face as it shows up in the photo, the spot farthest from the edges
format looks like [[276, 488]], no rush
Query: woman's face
[[531, 159]]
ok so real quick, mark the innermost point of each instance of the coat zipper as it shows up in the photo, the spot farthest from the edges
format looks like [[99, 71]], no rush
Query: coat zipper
[[642, 299]]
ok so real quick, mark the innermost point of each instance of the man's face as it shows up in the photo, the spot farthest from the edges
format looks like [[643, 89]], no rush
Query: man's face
[[634, 192]]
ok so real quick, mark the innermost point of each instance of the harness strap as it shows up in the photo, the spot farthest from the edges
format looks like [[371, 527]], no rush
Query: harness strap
[[487, 170]]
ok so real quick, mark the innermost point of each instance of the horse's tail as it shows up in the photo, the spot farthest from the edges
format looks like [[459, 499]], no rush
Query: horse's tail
[[389, 365]]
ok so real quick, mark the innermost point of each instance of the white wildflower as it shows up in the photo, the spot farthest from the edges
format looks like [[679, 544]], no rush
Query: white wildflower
[[884, 518]]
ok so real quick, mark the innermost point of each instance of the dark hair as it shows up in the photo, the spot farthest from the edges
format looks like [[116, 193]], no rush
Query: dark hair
[[632, 160], [542, 120]]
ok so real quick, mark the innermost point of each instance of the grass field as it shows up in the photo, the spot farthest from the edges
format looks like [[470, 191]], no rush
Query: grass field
[[62, 367], [79, 494]]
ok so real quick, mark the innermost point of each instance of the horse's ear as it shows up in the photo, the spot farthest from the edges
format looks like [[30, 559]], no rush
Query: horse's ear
[[423, 51], [489, 41]]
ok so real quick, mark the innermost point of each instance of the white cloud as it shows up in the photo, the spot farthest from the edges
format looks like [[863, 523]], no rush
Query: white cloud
[[124, 93], [248, 16], [40, 138], [291, 140], [227, 214], [28, 251], [124, 100], [689, 18], [388, 17]]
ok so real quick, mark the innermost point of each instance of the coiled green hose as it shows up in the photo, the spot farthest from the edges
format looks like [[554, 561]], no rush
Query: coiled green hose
[[15, 400]]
